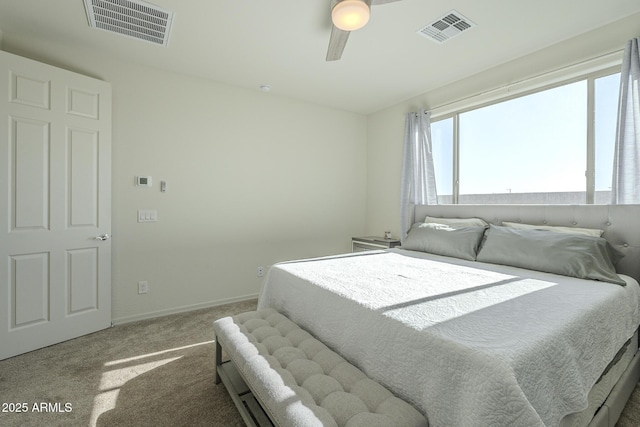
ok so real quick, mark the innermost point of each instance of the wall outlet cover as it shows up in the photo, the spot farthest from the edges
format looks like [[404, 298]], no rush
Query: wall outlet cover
[[143, 287]]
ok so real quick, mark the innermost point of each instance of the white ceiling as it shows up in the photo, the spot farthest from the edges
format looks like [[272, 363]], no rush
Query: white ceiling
[[283, 43]]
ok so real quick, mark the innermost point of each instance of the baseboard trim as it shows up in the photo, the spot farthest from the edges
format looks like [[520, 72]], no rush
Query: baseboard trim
[[182, 309]]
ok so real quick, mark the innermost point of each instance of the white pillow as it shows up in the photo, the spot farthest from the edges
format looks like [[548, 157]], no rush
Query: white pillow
[[457, 222], [558, 229]]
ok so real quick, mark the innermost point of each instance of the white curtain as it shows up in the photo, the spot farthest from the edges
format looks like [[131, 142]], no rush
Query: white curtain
[[418, 177], [626, 162]]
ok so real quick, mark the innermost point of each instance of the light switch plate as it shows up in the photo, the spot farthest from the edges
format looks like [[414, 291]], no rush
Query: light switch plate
[[147, 215]]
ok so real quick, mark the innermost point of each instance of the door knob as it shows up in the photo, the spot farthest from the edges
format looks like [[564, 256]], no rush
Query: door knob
[[103, 237]]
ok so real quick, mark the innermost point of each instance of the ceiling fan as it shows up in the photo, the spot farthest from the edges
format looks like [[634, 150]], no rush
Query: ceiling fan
[[347, 16]]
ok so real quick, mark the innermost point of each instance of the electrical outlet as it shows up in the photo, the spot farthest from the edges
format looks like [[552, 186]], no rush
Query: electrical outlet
[[143, 287], [260, 271]]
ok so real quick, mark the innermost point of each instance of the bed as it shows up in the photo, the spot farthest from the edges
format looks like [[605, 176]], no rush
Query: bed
[[478, 343]]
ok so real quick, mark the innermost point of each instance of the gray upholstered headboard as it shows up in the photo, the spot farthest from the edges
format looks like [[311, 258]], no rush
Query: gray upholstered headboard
[[621, 223]]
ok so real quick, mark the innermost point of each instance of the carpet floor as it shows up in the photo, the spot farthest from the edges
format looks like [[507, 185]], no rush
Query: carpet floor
[[157, 372]]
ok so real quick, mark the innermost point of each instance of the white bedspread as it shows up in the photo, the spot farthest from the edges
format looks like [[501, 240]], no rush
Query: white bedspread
[[467, 343]]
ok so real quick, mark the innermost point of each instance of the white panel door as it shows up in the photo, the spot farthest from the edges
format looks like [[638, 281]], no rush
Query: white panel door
[[55, 205]]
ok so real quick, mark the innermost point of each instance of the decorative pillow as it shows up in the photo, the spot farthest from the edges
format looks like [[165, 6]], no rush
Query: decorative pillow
[[569, 230], [445, 240], [586, 257], [457, 222]]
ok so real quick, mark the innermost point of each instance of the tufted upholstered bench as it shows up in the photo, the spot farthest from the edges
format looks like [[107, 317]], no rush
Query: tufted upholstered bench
[[297, 380]]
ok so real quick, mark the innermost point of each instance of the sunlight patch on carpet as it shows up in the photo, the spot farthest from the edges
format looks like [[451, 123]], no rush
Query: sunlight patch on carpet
[[111, 382], [103, 402], [143, 356], [116, 378]]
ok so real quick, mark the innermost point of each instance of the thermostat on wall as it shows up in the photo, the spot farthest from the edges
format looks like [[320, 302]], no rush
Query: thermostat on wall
[[143, 181]]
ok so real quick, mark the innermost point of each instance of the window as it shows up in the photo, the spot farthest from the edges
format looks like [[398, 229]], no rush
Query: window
[[442, 150], [606, 117], [541, 148]]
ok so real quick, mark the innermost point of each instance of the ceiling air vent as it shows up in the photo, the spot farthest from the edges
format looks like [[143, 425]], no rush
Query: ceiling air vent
[[446, 27], [132, 18]]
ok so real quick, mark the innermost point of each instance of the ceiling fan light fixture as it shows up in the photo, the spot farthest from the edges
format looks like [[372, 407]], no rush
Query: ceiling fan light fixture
[[350, 15]]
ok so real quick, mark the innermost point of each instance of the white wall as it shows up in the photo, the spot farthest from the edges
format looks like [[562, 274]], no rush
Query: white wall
[[252, 179], [386, 127]]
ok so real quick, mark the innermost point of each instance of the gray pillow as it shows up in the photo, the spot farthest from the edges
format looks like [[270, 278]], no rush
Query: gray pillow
[[444, 240], [586, 257]]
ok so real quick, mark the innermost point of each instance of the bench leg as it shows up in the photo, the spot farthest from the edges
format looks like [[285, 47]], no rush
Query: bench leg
[[218, 360]]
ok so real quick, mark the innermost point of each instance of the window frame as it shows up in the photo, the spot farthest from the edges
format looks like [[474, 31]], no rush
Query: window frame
[[589, 77]]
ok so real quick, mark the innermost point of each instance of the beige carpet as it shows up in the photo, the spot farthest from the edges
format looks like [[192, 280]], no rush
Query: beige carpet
[[157, 372]]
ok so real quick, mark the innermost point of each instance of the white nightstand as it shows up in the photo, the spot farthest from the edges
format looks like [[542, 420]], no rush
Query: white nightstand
[[369, 243]]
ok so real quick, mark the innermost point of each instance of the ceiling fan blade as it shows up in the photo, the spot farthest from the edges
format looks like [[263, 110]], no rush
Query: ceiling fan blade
[[337, 42], [377, 2]]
